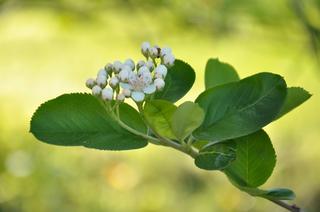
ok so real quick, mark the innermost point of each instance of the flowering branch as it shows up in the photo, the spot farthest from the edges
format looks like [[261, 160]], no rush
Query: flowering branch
[[222, 130]]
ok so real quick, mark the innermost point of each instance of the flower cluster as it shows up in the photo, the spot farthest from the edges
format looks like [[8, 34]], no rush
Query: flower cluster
[[121, 80]]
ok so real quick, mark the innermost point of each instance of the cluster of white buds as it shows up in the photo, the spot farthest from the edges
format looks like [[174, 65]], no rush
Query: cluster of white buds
[[121, 80]]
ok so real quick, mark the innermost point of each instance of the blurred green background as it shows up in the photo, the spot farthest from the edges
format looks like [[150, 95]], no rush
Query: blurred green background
[[48, 48]]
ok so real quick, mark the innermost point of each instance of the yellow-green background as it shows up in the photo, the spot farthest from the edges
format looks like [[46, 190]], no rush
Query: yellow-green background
[[48, 48]]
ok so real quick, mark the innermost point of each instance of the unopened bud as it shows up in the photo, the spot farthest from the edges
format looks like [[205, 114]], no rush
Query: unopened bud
[[140, 64], [102, 72], [117, 65], [129, 62], [142, 70], [145, 48], [124, 74], [113, 82], [168, 60], [90, 83], [121, 97], [96, 90], [154, 52], [164, 51], [150, 65], [161, 71], [108, 67], [107, 94], [102, 80], [159, 83]]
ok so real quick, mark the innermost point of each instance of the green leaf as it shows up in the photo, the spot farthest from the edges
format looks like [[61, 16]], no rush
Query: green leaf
[[295, 97], [179, 81], [216, 157], [186, 119], [199, 144], [255, 160], [158, 114], [273, 194], [218, 73], [81, 120], [131, 117], [240, 108]]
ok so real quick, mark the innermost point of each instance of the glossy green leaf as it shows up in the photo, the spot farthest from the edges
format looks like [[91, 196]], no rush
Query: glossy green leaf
[[131, 117], [240, 108], [186, 119], [216, 157], [179, 81], [158, 114], [255, 160], [81, 120], [218, 73], [273, 194], [295, 97]]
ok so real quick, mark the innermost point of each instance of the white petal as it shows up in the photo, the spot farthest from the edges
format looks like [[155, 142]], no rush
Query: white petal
[[125, 86], [137, 96], [126, 92], [149, 89]]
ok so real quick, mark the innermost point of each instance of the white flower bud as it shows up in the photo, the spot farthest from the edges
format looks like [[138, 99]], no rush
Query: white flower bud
[[121, 97], [150, 65], [154, 53], [129, 62], [102, 72], [117, 65], [143, 69], [145, 48], [137, 96], [159, 83], [96, 90], [168, 60], [140, 64], [124, 74], [161, 71], [126, 92], [102, 80], [113, 82], [164, 51], [107, 94], [108, 67], [90, 83]]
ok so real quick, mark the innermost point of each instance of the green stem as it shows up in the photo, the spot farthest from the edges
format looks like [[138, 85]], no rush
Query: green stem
[[167, 142], [116, 117], [292, 208]]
